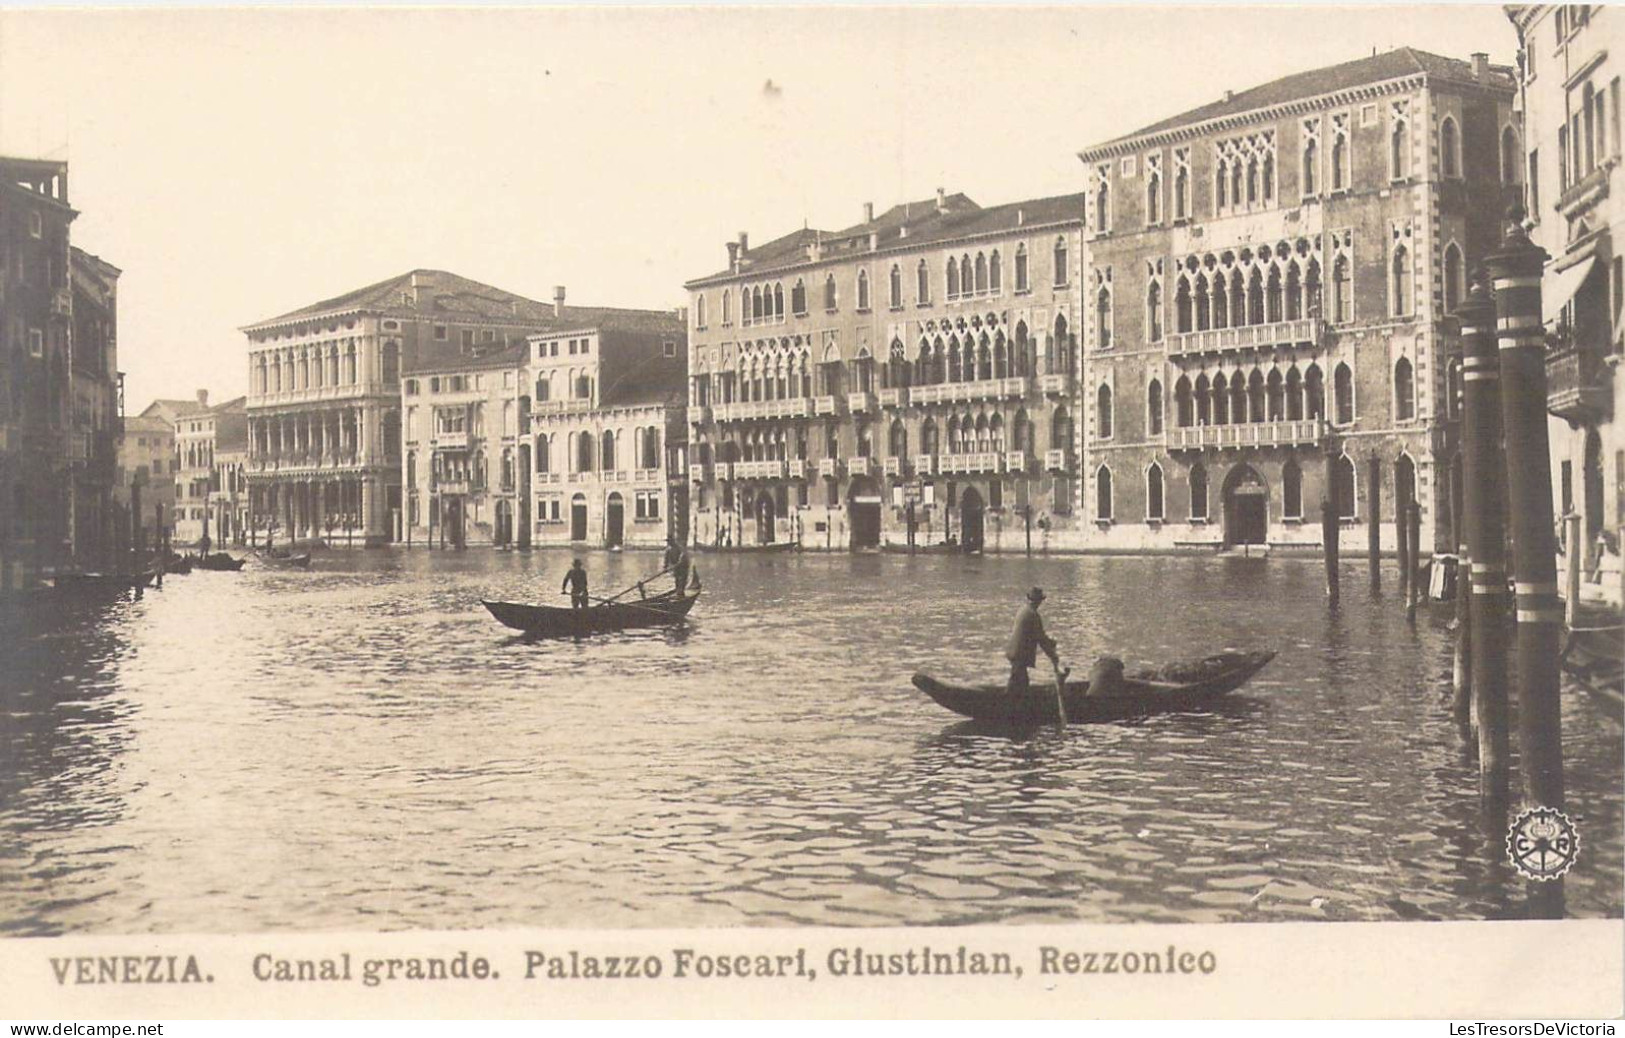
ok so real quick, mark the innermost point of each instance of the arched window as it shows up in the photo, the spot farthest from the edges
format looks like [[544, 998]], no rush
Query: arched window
[[1061, 272], [607, 448], [1449, 154], [1103, 206], [1404, 391], [1184, 406], [543, 451], [1255, 298], [1291, 490], [863, 290], [922, 282], [1103, 493], [896, 287], [1343, 486], [1153, 198], [1272, 296], [1294, 293], [1221, 400], [1252, 181], [1294, 395], [897, 441], [1343, 390], [1204, 401], [798, 298], [995, 273], [651, 448], [1182, 306], [1454, 286], [1221, 302], [1311, 290], [928, 437], [1400, 286], [756, 313], [1153, 312], [1060, 429], [699, 310], [1103, 318], [1153, 408], [1221, 185], [1398, 149], [350, 373], [1452, 388], [391, 363], [1103, 413], [1342, 294], [1255, 397], [1274, 397], [727, 306], [1314, 392], [953, 278], [778, 302], [954, 441], [1509, 156], [829, 292], [1153, 492], [1182, 194], [1022, 282], [981, 273], [1340, 158], [583, 452], [1198, 491], [1311, 164]]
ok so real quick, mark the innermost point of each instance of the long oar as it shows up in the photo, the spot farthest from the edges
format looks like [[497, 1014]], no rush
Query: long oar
[[1060, 689], [648, 580], [623, 605]]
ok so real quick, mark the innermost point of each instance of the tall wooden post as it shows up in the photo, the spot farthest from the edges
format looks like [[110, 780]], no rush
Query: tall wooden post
[[135, 527], [1516, 268], [1571, 570], [1483, 476], [1461, 671], [1402, 539], [158, 545], [1413, 539], [1331, 527], [1373, 482]]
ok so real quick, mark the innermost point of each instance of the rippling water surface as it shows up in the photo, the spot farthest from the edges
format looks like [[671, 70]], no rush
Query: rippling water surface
[[361, 746]]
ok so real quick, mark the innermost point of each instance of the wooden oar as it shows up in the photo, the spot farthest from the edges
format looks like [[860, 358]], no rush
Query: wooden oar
[[1060, 688], [623, 605], [645, 581]]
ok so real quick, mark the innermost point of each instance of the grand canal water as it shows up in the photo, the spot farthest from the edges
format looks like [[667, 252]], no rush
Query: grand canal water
[[361, 746]]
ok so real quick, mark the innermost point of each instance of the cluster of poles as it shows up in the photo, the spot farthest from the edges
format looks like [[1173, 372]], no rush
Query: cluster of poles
[[1506, 488]]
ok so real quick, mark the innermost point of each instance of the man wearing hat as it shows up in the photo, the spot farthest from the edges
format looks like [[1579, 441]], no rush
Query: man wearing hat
[[1025, 641]]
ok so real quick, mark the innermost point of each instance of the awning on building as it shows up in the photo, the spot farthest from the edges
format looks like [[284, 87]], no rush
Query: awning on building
[[1561, 286]]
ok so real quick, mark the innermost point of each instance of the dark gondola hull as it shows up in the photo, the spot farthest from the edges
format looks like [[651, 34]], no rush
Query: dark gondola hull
[[98, 583], [284, 562], [555, 622], [747, 549], [222, 562], [1139, 698]]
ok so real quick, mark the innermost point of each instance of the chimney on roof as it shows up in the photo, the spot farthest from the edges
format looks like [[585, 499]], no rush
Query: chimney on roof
[[874, 240], [744, 244], [902, 232], [558, 300], [203, 398], [1481, 66], [1229, 95], [942, 200], [868, 212], [1021, 217], [733, 256]]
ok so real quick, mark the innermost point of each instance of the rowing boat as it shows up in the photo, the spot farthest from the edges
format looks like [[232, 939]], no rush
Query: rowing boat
[[727, 549], [556, 622], [220, 561], [284, 561], [1181, 687]]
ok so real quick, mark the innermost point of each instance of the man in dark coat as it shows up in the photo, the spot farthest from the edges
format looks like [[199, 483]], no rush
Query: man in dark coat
[[575, 582], [677, 561], [1025, 641]]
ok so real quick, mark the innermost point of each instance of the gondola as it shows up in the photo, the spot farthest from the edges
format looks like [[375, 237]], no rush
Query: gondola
[[284, 561], [661, 610], [748, 549], [220, 561], [1181, 687], [921, 549], [180, 565], [96, 583]]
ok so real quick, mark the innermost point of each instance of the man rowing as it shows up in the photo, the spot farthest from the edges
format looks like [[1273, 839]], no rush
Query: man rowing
[[1025, 641], [575, 582], [676, 560]]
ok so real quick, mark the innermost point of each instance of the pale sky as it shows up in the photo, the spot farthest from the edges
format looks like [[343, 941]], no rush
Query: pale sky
[[237, 164]]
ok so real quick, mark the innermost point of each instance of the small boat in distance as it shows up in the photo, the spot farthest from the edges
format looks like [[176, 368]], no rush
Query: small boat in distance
[[284, 561], [726, 549], [662, 610], [1179, 687], [220, 561]]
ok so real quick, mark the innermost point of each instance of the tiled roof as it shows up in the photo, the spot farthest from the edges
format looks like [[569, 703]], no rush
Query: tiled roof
[[147, 423], [959, 217], [1378, 68], [447, 296], [178, 408], [232, 406], [453, 360]]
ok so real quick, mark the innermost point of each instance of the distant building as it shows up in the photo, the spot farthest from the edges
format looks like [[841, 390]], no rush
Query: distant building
[[909, 377], [1572, 154], [228, 486], [1269, 282], [58, 399], [487, 431], [200, 476], [147, 461]]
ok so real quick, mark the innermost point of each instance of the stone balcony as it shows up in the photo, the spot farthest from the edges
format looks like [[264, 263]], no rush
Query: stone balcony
[[860, 403], [823, 405], [1058, 460], [723, 470], [976, 463], [759, 470], [798, 468], [540, 408], [829, 467], [1017, 461], [1305, 432], [896, 397], [963, 392], [896, 467], [925, 464], [1579, 383], [451, 486], [698, 473], [699, 413], [1307, 331], [449, 440], [863, 466], [303, 460], [1058, 383], [789, 407]]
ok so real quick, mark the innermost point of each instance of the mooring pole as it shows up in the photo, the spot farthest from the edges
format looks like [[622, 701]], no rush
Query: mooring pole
[[135, 527], [1483, 477], [1413, 540], [1329, 529], [159, 548], [1373, 482], [1402, 539], [1516, 268], [1461, 702], [1571, 570]]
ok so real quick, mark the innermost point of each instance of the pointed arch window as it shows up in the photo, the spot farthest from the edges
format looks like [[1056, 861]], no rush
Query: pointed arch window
[[1204, 306], [1182, 306], [981, 273], [1153, 408], [1399, 152], [1343, 394], [1023, 284], [1198, 491], [778, 302], [1449, 149], [995, 273], [1153, 492], [1314, 392], [1272, 296], [1343, 486], [699, 310], [1509, 156], [1182, 194], [1221, 185], [863, 292], [953, 278], [1400, 284], [895, 288], [1255, 298], [1454, 286], [727, 307], [1291, 490], [922, 282], [829, 292], [1153, 312], [1103, 412], [1061, 272], [1103, 318], [1404, 390], [1311, 162], [1103, 493], [1342, 291], [1153, 198], [1184, 406]]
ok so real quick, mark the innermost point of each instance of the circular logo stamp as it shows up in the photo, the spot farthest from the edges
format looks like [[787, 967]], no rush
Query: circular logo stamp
[[1542, 843]]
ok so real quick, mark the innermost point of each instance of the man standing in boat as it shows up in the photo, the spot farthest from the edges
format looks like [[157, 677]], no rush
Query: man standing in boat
[[1025, 641], [575, 582], [677, 561]]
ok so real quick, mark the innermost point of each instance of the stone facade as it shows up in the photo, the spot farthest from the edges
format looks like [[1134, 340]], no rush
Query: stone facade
[[1570, 164], [204, 471], [1269, 282], [907, 378]]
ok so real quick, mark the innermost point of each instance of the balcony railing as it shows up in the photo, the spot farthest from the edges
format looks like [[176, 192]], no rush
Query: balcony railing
[[863, 466], [1578, 383], [895, 397], [1306, 431], [860, 403], [1247, 337], [449, 440], [723, 470], [981, 389], [1058, 383], [699, 413], [451, 486], [544, 407], [970, 464], [759, 470], [798, 468], [647, 475], [1058, 459], [698, 473], [830, 467], [826, 405], [896, 466], [1017, 461], [925, 464], [789, 407]]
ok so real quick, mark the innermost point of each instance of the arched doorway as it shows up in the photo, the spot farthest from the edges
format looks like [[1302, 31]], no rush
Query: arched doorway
[[504, 524], [454, 520], [863, 512], [972, 512], [578, 517], [766, 514], [1246, 507], [614, 521]]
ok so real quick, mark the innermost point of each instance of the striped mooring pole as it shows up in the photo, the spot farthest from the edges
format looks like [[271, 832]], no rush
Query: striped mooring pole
[[1483, 475], [1516, 268]]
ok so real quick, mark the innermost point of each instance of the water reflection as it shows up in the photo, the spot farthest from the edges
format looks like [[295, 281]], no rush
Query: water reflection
[[363, 746]]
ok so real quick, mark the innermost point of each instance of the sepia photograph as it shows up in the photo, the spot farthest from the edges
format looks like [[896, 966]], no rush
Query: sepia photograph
[[887, 492]]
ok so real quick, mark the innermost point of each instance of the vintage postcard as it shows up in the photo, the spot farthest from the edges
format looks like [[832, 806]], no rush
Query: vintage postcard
[[812, 511]]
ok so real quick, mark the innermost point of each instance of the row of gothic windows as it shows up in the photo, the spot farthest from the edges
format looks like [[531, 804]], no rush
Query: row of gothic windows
[[582, 454], [1196, 483]]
